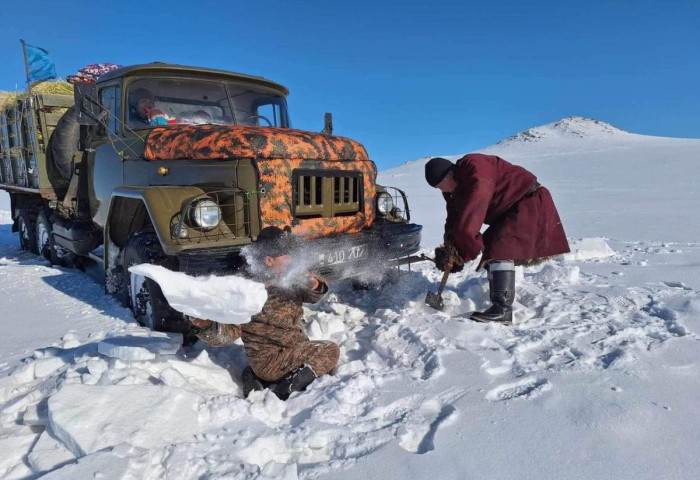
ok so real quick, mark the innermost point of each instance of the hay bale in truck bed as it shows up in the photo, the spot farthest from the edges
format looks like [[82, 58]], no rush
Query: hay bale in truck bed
[[58, 87]]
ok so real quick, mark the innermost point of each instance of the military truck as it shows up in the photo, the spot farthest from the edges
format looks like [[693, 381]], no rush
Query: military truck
[[182, 167]]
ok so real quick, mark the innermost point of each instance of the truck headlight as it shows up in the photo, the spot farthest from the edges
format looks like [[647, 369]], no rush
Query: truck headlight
[[385, 203], [205, 214]]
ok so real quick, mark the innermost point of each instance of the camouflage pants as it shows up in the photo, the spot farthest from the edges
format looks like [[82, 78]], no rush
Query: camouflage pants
[[273, 363]]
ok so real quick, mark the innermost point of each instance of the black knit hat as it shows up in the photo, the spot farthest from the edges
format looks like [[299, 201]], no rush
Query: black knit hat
[[437, 169], [274, 242]]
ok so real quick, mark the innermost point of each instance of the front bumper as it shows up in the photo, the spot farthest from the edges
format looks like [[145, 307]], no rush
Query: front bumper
[[382, 244], [334, 258]]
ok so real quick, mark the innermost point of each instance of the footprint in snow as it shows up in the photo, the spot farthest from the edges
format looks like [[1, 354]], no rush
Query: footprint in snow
[[524, 389], [417, 431]]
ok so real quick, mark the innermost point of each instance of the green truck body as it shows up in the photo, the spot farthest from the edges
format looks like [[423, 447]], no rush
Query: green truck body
[[92, 180]]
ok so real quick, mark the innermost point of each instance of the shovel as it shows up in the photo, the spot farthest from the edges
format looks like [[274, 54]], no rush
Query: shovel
[[435, 299]]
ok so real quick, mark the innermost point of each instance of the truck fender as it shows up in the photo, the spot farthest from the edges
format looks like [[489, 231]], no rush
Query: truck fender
[[132, 209]]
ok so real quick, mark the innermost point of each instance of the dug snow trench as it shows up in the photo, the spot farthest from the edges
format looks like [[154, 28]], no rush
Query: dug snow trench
[[132, 401]]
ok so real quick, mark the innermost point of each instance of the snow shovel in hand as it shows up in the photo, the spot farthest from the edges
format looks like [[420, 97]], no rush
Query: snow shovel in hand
[[435, 299]]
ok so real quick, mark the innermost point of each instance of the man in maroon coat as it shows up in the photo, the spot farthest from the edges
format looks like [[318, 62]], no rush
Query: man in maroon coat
[[524, 226]]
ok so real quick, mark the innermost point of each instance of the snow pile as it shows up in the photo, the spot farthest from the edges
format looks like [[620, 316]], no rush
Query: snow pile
[[228, 299], [401, 382], [130, 348], [588, 249]]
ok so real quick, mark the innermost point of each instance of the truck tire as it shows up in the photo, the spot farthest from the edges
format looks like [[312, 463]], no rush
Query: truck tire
[[63, 145], [143, 296], [26, 224], [42, 237], [45, 246]]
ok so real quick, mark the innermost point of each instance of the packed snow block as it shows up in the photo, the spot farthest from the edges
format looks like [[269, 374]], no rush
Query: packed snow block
[[228, 299], [588, 249], [266, 450], [12, 451], [101, 465], [48, 453], [19, 376], [134, 348], [97, 366], [36, 415], [201, 375], [325, 325], [44, 367], [279, 471], [89, 418], [559, 275]]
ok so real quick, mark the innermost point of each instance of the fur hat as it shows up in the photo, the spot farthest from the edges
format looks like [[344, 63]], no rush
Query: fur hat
[[437, 169]]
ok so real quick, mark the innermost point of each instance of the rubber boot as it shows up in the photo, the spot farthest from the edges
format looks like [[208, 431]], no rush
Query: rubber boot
[[501, 292], [251, 381], [296, 381]]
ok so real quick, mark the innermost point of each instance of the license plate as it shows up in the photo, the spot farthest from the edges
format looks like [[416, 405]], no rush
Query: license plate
[[343, 255]]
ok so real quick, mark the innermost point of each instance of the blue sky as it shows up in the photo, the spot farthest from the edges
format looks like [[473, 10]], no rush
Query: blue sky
[[407, 79]]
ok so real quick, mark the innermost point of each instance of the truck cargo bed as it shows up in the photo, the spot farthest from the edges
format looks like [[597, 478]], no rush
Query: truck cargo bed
[[26, 124]]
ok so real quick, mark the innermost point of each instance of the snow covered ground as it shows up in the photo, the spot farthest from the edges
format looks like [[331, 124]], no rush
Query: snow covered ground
[[599, 379]]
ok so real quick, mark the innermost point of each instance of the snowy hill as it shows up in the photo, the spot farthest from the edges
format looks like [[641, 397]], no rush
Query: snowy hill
[[566, 128], [599, 378]]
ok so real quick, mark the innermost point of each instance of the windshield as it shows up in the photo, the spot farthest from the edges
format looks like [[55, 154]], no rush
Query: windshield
[[164, 101]]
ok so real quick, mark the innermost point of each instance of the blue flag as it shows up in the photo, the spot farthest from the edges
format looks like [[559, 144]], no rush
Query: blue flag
[[39, 65]]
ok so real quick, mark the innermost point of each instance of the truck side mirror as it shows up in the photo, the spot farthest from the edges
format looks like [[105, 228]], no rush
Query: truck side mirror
[[88, 108], [328, 124]]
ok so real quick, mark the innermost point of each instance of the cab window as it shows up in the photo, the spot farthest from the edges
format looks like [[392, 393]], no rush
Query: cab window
[[109, 99], [163, 101]]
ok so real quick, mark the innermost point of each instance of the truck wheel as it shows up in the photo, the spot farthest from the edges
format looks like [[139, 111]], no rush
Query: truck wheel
[[27, 237], [143, 296], [42, 237]]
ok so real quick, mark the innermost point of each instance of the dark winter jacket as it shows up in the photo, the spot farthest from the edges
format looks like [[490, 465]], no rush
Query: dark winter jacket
[[274, 340], [523, 222]]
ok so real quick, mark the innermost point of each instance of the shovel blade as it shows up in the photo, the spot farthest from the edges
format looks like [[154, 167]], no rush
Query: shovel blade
[[434, 300]]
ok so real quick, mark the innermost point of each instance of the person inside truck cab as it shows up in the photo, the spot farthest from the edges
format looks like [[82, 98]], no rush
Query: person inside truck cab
[[141, 103]]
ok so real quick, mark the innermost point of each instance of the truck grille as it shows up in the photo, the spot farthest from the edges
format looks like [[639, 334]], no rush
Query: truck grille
[[326, 195]]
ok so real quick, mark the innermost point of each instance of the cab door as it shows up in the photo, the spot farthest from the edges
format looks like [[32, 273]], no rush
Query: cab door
[[107, 155]]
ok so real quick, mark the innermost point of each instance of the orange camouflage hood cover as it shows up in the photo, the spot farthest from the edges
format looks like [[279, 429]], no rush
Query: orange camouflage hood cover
[[213, 142], [278, 152]]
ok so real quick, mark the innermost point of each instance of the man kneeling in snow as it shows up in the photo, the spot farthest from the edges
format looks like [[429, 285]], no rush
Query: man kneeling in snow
[[281, 356]]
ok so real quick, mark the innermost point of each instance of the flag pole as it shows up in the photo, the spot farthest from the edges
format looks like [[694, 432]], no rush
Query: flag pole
[[26, 65]]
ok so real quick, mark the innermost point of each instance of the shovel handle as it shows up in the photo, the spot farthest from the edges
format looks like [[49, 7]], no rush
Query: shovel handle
[[448, 269]]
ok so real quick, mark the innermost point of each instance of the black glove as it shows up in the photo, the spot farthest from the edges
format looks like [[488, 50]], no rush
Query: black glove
[[445, 254]]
